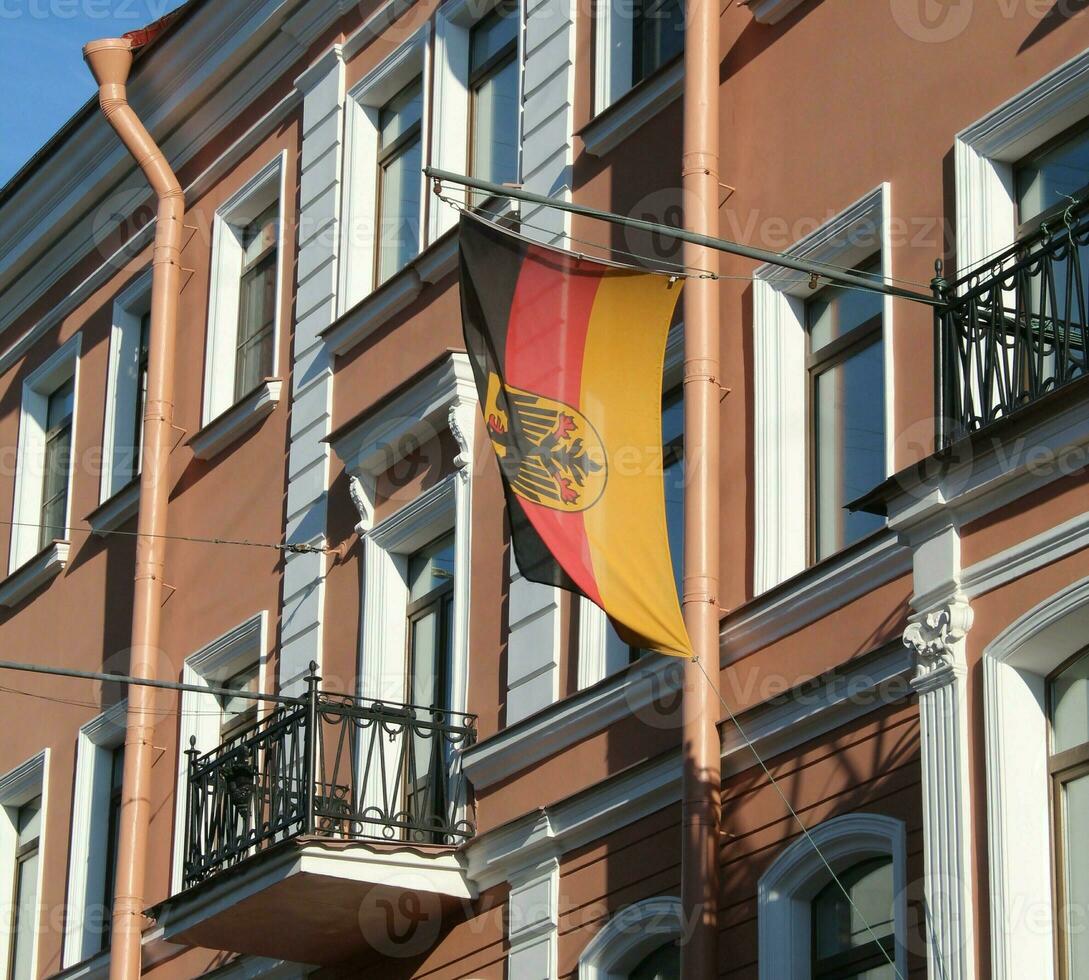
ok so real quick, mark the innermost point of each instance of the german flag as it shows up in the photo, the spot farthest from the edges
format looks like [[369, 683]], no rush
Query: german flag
[[568, 356]]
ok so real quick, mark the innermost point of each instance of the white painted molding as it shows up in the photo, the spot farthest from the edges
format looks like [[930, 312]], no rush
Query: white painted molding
[[787, 888], [201, 713], [122, 506], [630, 936], [19, 786], [228, 428], [42, 568], [771, 11], [95, 745], [264, 188], [815, 593], [618, 121], [780, 429], [937, 639], [59, 367], [1016, 664]]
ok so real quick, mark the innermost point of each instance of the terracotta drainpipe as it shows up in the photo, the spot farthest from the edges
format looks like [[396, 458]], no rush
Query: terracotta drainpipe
[[110, 60], [702, 396]]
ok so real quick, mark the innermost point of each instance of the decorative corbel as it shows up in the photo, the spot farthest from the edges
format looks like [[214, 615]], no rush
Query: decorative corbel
[[362, 494], [937, 638], [461, 419]]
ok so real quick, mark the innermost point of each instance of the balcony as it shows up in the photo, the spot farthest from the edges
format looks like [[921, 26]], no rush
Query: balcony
[[325, 814], [1013, 329]]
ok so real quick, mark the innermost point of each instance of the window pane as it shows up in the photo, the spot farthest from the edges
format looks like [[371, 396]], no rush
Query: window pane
[[29, 823], [1070, 706], [25, 927], [400, 114], [840, 927], [835, 312], [141, 393], [399, 211], [494, 151], [260, 235], [663, 964], [657, 35], [1054, 177], [491, 34], [1075, 819], [431, 567], [238, 712], [256, 321], [58, 450], [849, 430]]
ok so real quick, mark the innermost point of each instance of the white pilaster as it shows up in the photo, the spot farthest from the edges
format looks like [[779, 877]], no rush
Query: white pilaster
[[937, 639], [322, 88], [533, 920]]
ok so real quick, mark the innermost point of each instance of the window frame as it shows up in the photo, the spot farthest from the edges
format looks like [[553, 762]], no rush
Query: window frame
[[614, 56], [56, 432], [231, 220], [629, 936], [505, 56], [120, 446], [358, 265], [17, 787], [98, 739], [451, 136], [867, 956], [1026, 228], [781, 441], [62, 366]]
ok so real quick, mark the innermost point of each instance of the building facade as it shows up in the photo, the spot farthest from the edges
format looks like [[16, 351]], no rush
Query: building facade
[[467, 775]]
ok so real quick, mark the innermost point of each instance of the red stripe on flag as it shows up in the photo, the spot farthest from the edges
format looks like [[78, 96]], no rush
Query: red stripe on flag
[[546, 341]]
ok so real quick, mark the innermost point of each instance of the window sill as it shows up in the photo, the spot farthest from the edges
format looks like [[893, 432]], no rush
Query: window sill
[[439, 259], [771, 11], [46, 565], [229, 427], [635, 107], [116, 510]]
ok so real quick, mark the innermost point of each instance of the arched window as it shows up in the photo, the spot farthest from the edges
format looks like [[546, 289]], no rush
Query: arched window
[[855, 937], [640, 942], [809, 930]]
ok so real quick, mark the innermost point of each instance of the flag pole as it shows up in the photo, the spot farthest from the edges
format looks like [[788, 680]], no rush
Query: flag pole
[[701, 746]]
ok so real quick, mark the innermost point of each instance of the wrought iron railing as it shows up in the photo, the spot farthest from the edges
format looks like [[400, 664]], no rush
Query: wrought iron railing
[[1013, 329], [328, 765]]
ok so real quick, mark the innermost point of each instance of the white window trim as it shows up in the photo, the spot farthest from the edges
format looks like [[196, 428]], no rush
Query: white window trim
[[97, 741], [533, 921], [38, 386], [119, 468], [454, 22], [1016, 664], [986, 152], [630, 936], [779, 344], [360, 209], [223, 292], [600, 651], [786, 890], [16, 788], [200, 712]]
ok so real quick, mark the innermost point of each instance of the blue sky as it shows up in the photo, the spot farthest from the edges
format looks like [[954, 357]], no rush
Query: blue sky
[[41, 67]]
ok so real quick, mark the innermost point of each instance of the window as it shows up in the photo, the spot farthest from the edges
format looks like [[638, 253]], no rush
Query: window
[[808, 928], [844, 943], [58, 464], [245, 293], [822, 395], [633, 43], [257, 303], [1068, 765], [44, 463], [430, 629], [236, 661], [96, 812], [493, 94], [24, 926], [657, 35], [1046, 181], [238, 713], [663, 964], [400, 154], [846, 410], [22, 806]]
